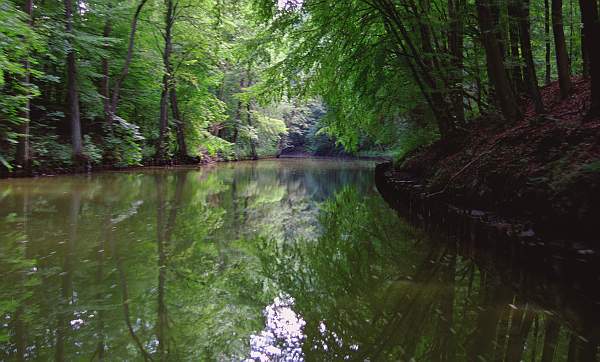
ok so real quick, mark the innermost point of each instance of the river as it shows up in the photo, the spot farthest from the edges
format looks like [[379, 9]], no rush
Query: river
[[275, 260]]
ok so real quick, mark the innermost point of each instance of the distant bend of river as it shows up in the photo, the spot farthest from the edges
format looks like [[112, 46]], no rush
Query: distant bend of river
[[275, 260]]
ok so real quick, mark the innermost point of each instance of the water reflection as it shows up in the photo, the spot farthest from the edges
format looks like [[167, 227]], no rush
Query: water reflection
[[276, 260], [283, 336], [374, 288]]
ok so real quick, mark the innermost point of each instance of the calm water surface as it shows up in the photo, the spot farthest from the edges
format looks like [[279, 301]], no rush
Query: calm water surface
[[287, 260]]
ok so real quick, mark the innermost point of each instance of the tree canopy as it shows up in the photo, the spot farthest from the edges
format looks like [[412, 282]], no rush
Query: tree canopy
[[122, 83]]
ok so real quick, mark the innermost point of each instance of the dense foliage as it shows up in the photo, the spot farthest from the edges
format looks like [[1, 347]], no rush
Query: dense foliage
[[132, 82], [121, 83], [406, 72]]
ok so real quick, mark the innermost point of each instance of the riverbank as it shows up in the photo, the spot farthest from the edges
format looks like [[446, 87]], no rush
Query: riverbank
[[55, 171], [541, 175], [199, 162]]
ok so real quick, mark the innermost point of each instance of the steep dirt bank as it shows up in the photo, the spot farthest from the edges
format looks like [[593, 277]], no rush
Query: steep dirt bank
[[543, 171]]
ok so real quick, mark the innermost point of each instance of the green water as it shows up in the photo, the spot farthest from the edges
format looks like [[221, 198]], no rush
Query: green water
[[261, 261]]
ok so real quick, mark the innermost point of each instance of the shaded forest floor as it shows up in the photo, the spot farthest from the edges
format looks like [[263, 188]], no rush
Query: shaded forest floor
[[544, 169]]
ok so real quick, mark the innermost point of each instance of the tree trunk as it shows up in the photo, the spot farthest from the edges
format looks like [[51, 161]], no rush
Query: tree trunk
[[497, 71], [165, 225], [571, 35], [513, 26], [426, 78], [72, 91], [456, 13], [125, 70], [547, 40], [162, 231], [106, 74], [433, 65], [161, 151], [562, 58], [585, 59], [125, 300], [249, 118], [591, 35], [238, 115], [182, 151], [530, 74], [23, 156], [585, 14]]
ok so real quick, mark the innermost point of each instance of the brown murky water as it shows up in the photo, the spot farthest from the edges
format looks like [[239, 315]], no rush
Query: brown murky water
[[285, 260]]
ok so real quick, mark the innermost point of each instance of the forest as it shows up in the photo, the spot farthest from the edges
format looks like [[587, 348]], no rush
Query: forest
[[125, 83], [113, 83]]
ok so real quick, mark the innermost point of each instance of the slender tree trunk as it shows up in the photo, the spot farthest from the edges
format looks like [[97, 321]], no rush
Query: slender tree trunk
[[571, 35], [513, 26], [105, 87], [249, 118], [530, 74], [23, 156], [162, 321], [547, 40], [125, 300], [163, 123], [182, 151], [433, 63], [562, 58], [478, 82], [456, 13], [585, 58], [425, 31], [591, 36], [250, 123], [497, 71], [125, 70], [500, 28], [238, 114], [72, 90], [426, 78], [165, 226], [164, 98]]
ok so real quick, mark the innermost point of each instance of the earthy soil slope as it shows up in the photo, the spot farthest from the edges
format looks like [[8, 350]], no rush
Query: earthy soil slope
[[544, 169]]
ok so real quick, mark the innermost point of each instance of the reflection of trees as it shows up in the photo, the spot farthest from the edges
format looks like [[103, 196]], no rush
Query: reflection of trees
[[280, 199], [182, 258], [125, 299], [68, 255], [385, 292], [165, 221]]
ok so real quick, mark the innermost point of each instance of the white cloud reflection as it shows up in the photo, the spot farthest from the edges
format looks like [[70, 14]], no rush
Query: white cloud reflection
[[289, 4], [283, 336]]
